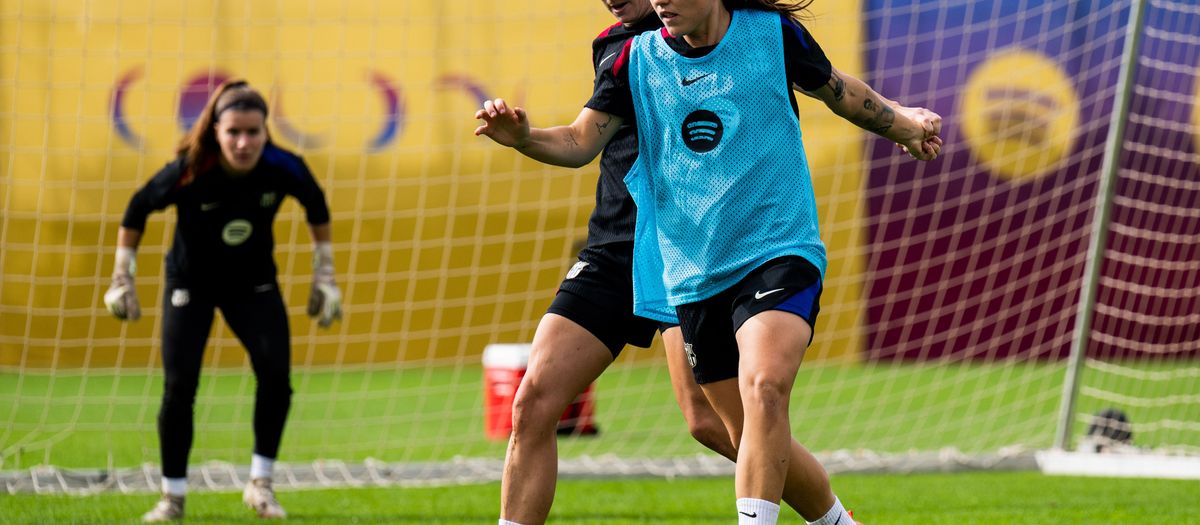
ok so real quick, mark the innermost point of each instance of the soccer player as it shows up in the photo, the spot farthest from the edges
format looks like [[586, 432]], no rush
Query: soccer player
[[226, 184], [726, 234], [591, 318]]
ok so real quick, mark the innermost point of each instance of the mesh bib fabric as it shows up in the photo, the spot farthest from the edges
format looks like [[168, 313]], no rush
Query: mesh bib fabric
[[721, 183]]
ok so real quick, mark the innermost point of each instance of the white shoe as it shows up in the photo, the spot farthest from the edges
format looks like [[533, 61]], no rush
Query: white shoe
[[260, 497], [168, 508]]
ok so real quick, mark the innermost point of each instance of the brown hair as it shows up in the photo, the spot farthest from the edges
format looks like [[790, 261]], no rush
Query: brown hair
[[794, 9], [200, 146]]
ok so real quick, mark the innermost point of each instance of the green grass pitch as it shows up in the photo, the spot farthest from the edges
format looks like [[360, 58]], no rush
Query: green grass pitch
[[89, 420], [98, 418], [918, 499]]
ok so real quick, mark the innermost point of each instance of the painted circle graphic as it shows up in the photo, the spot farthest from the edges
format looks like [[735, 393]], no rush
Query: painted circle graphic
[[236, 232], [702, 131], [194, 96], [1019, 112]]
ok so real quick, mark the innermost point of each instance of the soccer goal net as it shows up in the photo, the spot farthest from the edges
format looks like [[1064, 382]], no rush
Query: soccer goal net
[[950, 305]]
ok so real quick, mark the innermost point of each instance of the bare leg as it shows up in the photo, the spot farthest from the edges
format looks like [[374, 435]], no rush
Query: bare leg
[[806, 488], [564, 360], [702, 421]]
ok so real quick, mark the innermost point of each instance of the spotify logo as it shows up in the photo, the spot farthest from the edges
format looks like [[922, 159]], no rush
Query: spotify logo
[[236, 232], [702, 131], [1020, 114]]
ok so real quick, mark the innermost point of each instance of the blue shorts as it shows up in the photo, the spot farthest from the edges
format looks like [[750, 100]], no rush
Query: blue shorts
[[791, 284]]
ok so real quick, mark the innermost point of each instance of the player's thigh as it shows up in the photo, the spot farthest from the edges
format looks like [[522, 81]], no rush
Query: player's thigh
[[187, 320], [679, 366], [771, 346], [774, 312], [565, 359], [259, 320], [726, 400]]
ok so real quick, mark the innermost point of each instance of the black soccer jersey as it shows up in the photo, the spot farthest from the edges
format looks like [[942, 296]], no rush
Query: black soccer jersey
[[807, 68], [615, 214], [223, 235]]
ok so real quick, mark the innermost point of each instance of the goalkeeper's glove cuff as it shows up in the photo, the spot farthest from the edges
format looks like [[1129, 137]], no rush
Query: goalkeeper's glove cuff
[[325, 299], [121, 298], [125, 262], [323, 257]]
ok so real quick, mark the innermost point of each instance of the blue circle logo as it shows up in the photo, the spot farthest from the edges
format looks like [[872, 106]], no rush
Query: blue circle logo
[[702, 131]]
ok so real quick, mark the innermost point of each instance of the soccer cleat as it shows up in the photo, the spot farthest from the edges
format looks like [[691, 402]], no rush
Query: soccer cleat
[[168, 508], [261, 497]]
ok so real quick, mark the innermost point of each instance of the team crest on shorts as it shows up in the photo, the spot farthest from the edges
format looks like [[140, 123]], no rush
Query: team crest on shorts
[[575, 270], [687, 349]]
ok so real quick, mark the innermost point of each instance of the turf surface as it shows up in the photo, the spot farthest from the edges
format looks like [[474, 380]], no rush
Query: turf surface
[[962, 498]]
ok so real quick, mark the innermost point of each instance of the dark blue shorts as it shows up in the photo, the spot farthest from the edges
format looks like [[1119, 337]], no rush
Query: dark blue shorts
[[791, 284]]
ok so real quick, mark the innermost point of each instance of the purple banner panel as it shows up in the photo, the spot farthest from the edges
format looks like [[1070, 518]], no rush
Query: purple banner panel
[[979, 254], [1148, 301]]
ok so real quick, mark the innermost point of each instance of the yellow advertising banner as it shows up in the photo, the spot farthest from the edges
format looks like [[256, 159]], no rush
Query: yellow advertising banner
[[444, 241]]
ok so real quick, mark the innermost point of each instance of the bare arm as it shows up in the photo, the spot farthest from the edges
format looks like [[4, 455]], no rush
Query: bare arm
[[321, 232], [572, 145], [914, 129], [128, 238]]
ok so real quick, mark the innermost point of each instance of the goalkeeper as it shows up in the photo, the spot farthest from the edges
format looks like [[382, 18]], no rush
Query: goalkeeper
[[226, 184]]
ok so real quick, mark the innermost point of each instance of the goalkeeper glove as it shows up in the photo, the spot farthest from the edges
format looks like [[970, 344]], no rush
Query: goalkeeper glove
[[121, 297], [325, 299]]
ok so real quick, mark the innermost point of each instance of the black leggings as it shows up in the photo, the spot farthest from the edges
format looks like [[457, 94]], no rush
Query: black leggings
[[259, 320]]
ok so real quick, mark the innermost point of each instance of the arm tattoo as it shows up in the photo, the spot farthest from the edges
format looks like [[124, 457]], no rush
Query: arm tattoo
[[600, 127], [881, 120], [570, 140], [838, 86]]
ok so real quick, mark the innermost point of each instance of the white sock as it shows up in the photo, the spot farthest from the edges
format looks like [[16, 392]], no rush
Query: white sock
[[837, 515], [757, 512], [506, 522], [174, 486], [261, 467]]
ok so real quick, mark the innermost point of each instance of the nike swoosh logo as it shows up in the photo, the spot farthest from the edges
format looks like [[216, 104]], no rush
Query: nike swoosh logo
[[689, 81], [760, 295], [605, 59], [205, 206], [754, 515]]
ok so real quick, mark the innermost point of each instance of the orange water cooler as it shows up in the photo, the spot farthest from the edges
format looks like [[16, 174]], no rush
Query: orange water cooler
[[503, 367]]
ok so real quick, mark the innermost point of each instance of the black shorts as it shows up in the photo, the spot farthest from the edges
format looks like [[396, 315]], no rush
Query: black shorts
[[597, 294], [791, 284]]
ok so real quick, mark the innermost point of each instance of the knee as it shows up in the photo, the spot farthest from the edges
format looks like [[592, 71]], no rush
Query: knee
[[533, 411], [179, 393], [276, 380], [712, 434], [276, 390], [706, 427], [765, 393]]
